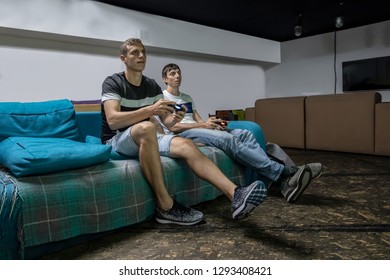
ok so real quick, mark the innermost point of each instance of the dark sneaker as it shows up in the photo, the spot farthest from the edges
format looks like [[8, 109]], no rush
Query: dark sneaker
[[247, 198], [293, 187], [179, 214], [316, 169]]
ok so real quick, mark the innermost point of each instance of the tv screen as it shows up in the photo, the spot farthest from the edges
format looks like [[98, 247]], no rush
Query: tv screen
[[366, 74]]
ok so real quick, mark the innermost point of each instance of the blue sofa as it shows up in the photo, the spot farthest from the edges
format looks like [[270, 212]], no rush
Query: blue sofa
[[58, 205]]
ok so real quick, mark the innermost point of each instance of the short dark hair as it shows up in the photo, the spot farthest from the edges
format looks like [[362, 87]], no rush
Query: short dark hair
[[129, 42], [169, 67]]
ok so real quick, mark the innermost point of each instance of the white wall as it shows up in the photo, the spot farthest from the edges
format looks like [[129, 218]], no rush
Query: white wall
[[95, 20], [29, 72], [65, 48], [307, 64], [51, 49]]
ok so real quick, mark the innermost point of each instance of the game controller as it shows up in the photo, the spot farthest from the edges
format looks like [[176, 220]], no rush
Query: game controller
[[177, 107], [221, 123]]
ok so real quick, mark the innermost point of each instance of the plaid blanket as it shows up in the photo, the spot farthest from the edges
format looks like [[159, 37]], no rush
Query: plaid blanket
[[100, 198]]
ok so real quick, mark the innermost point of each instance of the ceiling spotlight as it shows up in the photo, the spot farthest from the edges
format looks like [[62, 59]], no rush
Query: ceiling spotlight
[[339, 21], [298, 30], [298, 27]]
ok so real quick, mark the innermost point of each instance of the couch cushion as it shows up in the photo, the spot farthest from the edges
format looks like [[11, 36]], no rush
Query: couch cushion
[[282, 120], [382, 129], [89, 123], [250, 114], [54, 119], [341, 122], [29, 155]]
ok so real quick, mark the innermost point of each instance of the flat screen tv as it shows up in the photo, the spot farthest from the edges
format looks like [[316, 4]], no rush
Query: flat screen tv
[[366, 74]]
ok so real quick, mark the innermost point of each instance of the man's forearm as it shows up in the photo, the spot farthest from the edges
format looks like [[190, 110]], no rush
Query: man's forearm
[[120, 119]]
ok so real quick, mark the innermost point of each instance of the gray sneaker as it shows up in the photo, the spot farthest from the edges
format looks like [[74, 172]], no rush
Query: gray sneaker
[[247, 198], [179, 214], [316, 169], [293, 187]]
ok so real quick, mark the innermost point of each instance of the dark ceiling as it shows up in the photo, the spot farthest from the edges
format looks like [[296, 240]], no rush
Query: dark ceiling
[[268, 19]]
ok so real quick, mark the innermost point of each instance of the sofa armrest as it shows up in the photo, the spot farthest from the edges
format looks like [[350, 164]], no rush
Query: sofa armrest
[[90, 123], [256, 130]]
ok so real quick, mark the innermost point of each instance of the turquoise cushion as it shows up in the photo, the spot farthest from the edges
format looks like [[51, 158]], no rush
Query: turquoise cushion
[[114, 155], [256, 130], [89, 123], [54, 119], [29, 155]]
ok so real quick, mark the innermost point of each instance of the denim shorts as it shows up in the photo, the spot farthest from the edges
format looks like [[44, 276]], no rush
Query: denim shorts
[[124, 144]]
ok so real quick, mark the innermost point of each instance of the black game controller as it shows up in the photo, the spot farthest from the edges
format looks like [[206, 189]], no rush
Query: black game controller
[[177, 107], [222, 123]]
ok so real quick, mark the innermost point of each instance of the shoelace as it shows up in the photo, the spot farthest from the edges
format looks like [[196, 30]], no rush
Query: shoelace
[[181, 207]]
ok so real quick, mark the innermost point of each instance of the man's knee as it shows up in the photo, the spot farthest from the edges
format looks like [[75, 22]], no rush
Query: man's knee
[[185, 143], [143, 130], [183, 147]]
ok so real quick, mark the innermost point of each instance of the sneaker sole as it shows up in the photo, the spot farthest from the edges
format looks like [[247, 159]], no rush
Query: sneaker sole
[[318, 176], [164, 221], [304, 180], [253, 199]]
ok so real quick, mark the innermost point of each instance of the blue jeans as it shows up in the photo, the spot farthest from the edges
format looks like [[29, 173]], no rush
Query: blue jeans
[[240, 145]]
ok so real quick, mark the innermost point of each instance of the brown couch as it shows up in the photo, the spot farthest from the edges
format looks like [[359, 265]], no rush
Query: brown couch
[[382, 128], [282, 120], [355, 122]]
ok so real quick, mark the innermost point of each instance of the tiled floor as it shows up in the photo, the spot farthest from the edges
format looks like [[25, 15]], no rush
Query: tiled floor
[[345, 214]]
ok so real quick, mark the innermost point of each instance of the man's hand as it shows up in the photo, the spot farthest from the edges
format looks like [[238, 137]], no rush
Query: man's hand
[[167, 112], [178, 115], [163, 107], [214, 123]]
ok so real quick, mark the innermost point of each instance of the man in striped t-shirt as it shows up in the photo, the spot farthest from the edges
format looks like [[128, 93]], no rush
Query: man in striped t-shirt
[[130, 101]]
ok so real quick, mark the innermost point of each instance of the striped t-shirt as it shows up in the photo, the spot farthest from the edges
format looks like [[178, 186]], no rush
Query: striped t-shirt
[[131, 97]]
